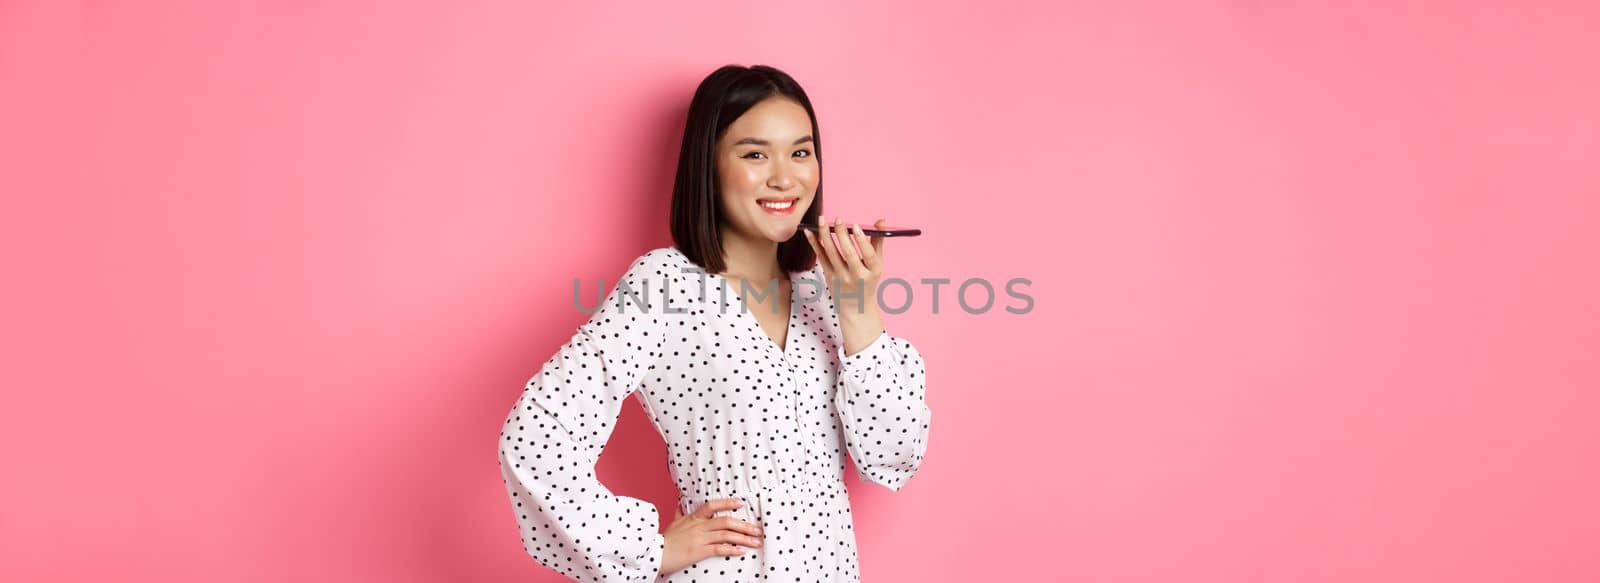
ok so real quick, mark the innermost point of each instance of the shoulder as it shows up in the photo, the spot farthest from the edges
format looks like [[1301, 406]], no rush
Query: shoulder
[[663, 280], [645, 297], [657, 267]]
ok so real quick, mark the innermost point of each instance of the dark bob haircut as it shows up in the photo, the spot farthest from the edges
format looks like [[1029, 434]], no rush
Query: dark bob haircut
[[722, 97]]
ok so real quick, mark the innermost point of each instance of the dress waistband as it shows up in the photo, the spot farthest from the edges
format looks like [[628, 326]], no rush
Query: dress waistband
[[757, 500]]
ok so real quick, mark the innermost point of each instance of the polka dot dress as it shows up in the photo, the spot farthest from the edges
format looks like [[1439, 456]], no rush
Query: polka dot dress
[[741, 416]]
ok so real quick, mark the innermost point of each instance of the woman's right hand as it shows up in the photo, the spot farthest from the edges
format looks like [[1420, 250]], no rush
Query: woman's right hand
[[700, 535]]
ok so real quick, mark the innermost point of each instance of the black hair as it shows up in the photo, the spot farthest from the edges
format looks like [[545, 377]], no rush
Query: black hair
[[722, 97]]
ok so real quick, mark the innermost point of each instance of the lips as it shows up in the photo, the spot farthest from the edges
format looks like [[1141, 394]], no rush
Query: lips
[[778, 206]]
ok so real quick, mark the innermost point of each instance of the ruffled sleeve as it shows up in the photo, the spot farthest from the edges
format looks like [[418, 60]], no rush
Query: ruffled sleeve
[[553, 436], [880, 400]]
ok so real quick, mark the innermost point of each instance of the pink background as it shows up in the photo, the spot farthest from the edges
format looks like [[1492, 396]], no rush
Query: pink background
[[1316, 287]]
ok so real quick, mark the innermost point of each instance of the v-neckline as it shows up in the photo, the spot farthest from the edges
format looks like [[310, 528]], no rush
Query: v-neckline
[[751, 323]]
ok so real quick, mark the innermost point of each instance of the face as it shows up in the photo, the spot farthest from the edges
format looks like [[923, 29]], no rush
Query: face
[[768, 170]]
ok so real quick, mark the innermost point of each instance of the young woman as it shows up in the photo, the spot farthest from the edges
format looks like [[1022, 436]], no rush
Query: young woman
[[751, 371]]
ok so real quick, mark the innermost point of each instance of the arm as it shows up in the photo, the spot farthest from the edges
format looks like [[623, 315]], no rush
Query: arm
[[553, 436], [880, 399], [879, 391]]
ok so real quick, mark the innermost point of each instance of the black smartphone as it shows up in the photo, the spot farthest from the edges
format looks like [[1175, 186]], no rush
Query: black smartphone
[[875, 231]]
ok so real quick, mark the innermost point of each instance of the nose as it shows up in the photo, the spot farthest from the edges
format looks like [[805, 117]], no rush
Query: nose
[[782, 178]]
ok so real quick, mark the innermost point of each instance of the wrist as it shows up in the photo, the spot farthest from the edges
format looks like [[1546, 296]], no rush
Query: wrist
[[859, 332]]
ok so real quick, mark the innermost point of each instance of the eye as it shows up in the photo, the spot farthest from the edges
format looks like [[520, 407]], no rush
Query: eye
[[752, 154], [806, 152]]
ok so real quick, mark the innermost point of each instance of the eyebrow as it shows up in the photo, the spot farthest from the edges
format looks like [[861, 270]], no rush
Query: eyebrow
[[761, 142]]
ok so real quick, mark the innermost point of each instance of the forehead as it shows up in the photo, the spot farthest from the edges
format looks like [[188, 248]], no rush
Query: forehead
[[776, 119]]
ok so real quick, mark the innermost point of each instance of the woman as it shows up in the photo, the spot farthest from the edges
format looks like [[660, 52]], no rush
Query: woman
[[744, 362]]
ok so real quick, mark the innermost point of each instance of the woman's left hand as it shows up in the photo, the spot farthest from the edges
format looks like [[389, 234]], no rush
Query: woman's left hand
[[854, 273]]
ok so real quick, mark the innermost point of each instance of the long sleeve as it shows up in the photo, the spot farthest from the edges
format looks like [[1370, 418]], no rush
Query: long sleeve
[[880, 400], [569, 521]]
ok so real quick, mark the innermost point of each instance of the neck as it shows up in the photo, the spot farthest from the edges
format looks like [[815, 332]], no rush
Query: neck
[[755, 260]]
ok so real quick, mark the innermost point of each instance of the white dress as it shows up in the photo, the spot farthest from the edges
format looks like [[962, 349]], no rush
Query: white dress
[[741, 418]]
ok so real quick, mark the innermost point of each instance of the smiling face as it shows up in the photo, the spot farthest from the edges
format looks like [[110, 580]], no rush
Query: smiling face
[[768, 171]]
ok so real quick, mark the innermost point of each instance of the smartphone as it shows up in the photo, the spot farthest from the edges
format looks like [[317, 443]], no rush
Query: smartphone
[[875, 231]]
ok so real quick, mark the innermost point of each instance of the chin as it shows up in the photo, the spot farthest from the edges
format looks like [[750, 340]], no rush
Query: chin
[[783, 234]]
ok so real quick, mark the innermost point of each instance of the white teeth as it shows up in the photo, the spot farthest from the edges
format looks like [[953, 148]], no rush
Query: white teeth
[[778, 205]]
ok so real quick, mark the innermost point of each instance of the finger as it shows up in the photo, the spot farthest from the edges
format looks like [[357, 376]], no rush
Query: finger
[[728, 536], [869, 252], [847, 246], [877, 242], [712, 507], [734, 524], [825, 238], [853, 251], [822, 255], [847, 252], [726, 550], [811, 238]]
